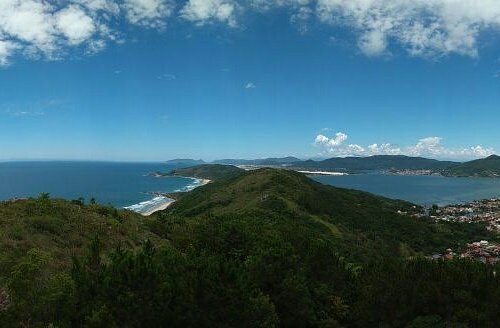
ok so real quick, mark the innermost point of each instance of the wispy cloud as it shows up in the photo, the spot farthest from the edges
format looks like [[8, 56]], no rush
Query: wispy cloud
[[31, 109], [167, 77], [24, 113], [337, 145], [250, 85]]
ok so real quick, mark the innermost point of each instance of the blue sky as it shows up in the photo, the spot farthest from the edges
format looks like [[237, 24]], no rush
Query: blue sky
[[152, 79]]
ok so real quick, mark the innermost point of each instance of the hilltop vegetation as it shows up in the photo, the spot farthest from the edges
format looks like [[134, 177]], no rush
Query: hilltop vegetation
[[267, 248], [273, 161], [362, 225], [210, 172], [486, 167]]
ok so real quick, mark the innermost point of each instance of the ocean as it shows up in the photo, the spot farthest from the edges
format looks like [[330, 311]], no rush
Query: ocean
[[129, 185], [117, 184], [423, 190]]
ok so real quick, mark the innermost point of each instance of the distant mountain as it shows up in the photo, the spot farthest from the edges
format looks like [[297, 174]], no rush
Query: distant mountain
[[486, 167], [379, 162], [185, 161], [264, 161]]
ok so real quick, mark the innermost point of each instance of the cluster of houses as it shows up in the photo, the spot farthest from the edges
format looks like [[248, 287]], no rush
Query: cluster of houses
[[487, 211], [482, 251], [410, 172]]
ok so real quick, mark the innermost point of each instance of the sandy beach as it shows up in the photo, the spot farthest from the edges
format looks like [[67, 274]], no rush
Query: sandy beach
[[322, 173], [168, 201], [159, 207]]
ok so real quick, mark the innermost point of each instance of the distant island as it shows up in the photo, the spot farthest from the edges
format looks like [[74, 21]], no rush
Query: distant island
[[185, 161], [392, 164]]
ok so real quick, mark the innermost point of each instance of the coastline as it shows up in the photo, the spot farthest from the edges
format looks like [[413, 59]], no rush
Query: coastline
[[323, 173], [161, 202], [159, 207]]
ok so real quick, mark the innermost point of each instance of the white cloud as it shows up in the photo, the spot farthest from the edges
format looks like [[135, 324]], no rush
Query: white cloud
[[422, 27], [202, 12], [49, 28], [429, 28], [427, 147], [6, 49], [331, 143], [250, 85], [149, 13], [28, 21], [107, 6], [264, 5], [75, 24], [168, 77]]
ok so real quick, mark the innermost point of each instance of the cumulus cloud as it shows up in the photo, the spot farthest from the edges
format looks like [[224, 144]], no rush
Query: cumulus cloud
[[428, 28], [48, 28], [202, 12], [149, 13], [422, 27], [74, 24], [428, 147], [250, 85]]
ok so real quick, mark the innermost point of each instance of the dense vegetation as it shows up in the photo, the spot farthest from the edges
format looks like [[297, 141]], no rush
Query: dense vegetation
[[486, 167], [268, 248], [274, 161], [379, 162], [209, 171]]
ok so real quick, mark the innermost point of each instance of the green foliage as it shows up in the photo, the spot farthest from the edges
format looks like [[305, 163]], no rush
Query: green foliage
[[268, 248], [423, 293], [154, 288], [215, 172], [378, 162], [486, 167], [37, 297]]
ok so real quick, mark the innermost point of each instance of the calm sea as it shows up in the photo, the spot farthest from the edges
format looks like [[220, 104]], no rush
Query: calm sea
[[423, 190], [127, 184], [118, 184]]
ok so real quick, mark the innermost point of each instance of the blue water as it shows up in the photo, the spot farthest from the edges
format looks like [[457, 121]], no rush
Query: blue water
[[423, 190], [126, 184], [118, 184]]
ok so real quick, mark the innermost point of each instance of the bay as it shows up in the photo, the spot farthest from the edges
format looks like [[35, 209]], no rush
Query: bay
[[419, 189]]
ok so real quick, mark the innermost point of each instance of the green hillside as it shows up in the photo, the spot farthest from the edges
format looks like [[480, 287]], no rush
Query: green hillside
[[209, 171], [62, 229], [345, 215], [268, 248], [378, 162], [486, 167]]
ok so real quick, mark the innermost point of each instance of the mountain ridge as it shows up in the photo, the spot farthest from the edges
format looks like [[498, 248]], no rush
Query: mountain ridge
[[486, 167]]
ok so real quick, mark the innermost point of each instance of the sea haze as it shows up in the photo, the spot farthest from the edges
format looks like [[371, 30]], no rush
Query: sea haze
[[423, 190], [118, 184]]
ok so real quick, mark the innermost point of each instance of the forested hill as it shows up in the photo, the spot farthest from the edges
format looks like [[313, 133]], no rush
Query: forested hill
[[363, 225], [268, 248], [379, 162], [209, 171], [486, 167]]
